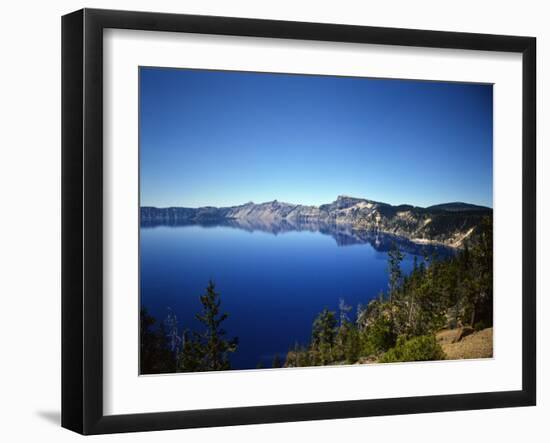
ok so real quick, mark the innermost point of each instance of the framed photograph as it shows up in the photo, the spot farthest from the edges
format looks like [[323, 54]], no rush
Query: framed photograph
[[268, 221]]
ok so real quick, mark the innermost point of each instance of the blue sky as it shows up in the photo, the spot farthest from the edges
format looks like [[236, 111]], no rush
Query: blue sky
[[216, 138]]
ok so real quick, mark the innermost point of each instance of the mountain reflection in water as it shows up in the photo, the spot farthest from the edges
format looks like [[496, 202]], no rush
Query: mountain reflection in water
[[344, 235]]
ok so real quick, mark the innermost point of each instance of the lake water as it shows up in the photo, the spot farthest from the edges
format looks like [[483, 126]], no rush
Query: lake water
[[273, 279]]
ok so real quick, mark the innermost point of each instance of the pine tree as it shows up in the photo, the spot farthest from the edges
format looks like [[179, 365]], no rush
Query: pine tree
[[344, 311], [171, 326], [324, 335], [190, 356], [155, 354], [211, 345], [277, 363], [394, 285], [481, 296], [395, 257], [147, 342]]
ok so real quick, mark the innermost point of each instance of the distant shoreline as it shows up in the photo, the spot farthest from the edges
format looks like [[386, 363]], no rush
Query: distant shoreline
[[449, 224]]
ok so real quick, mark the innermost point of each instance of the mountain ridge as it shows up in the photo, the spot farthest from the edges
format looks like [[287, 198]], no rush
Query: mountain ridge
[[451, 224]]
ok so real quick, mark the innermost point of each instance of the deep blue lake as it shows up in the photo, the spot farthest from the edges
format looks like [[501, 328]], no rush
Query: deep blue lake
[[273, 281]]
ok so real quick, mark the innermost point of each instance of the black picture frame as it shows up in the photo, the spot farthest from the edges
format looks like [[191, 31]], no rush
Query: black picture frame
[[82, 218]]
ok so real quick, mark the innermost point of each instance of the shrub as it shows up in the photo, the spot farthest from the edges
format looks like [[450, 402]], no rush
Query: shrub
[[348, 346], [421, 348], [378, 336], [480, 325]]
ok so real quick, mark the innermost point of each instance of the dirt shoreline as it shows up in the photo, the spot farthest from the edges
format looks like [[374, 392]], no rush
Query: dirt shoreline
[[476, 345]]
